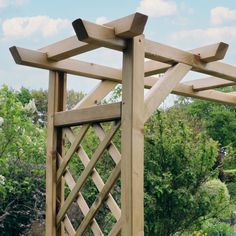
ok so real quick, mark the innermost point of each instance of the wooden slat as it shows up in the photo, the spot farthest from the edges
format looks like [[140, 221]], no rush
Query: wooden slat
[[112, 150], [105, 36], [93, 114], [155, 67], [183, 89], [125, 27], [116, 229], [61, 106], [170, 55], [38, 59], [96, 95], [68, 226], [66, 48], [211, 94], [99, 200], [100, 35], [111, 203], [56, 92], [209, 83], [73, 148], [71, 66], [87, 171], [207, 53], [163, 88], [167, 54], [132, 137], [129, 26], [213, 52]]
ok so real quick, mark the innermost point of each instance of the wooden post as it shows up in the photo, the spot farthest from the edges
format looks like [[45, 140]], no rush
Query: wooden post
[[54, 191], [132, 137]]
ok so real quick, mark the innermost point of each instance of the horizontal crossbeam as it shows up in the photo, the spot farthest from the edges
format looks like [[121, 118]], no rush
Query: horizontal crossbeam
[[102, 36], [209, 83], [105, 36], [99, 113], [75, 67], [171, 55], [128, 26]]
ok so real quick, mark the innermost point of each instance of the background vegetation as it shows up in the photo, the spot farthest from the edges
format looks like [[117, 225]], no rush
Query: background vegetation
[[190, 166]]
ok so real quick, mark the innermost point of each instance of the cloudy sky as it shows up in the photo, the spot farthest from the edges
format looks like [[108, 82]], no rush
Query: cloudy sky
[[35, 24]]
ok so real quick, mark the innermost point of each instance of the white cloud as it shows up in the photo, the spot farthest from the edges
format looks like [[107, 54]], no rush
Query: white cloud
[[209, 35], [23, 27], [8, 3], [157, 8], [101, 20], [220, 15]]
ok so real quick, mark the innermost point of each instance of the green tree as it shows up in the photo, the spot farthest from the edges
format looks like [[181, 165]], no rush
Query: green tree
[[22, 156], [178, 161]]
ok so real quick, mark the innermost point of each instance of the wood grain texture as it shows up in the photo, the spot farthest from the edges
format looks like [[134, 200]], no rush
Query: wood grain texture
[[163, 87], [86, 172], [75, 67], [99, 200], [132, 139], [100, 113]]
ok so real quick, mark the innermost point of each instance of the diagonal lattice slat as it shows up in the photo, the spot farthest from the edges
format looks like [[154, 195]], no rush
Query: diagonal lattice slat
[[69, 227], [71, 151], [99, 200], [113, 151], [116, 228], [81, 203], [87, 171], [111, 203]]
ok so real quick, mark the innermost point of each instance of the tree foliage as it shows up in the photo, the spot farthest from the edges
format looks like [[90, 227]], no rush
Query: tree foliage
[[182, 145], [22, 156], [177, 163]]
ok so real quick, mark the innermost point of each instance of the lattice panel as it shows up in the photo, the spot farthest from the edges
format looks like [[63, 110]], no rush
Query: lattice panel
[[104, 187]]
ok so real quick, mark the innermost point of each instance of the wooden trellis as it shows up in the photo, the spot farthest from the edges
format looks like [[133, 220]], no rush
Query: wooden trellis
[[125, 35]]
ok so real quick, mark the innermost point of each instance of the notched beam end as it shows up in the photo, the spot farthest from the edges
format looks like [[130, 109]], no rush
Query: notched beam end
[[212, 52], [15, 54], [138, 23], [80, 29], [129, 26], [222, 49]]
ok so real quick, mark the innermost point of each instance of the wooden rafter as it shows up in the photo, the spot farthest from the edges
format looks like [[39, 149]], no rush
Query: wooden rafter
[[131, 25], [209, 83], [75, 67]]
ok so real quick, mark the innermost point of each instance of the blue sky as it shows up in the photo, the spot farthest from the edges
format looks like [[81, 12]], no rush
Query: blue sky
[[35, 24]]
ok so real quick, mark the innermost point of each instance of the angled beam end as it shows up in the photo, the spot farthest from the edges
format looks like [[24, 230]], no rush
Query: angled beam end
[[129, 26], [222, 49], [16, 55], [80, 29], [212, 52], [138, 24]]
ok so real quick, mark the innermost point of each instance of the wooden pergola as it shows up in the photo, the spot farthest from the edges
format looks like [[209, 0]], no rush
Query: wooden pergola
[[125, 35]]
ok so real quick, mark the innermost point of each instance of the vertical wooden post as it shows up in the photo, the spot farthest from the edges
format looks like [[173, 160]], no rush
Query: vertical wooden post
[[54, 192], [132, 138]]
